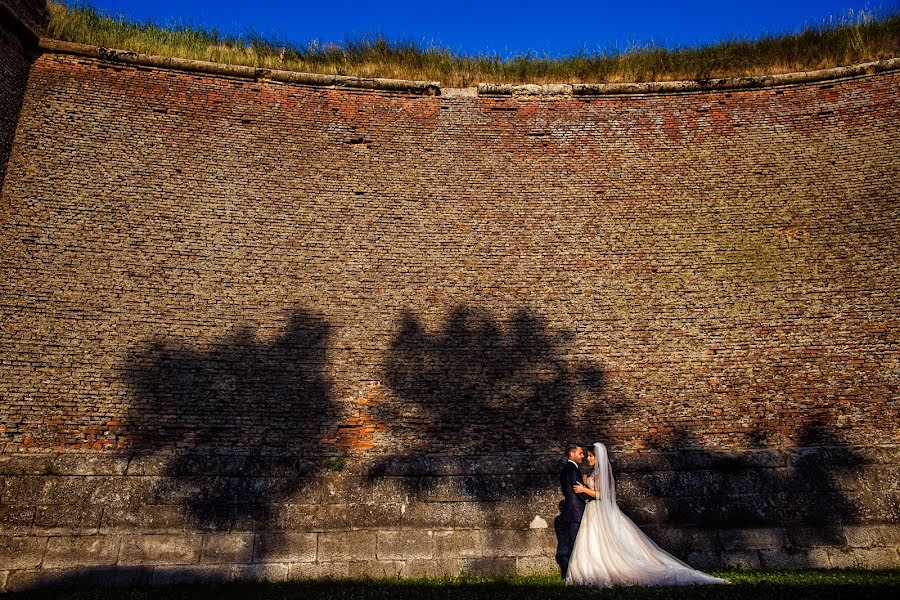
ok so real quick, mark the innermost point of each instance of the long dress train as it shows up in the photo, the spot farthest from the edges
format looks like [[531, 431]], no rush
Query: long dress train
[[611, 550]]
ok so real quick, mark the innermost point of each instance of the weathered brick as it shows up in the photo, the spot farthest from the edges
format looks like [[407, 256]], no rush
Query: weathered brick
[[318, 570], [92, 550], [404, 544], [346, 546], [752, 539], [815, 558], [432, 567], [536, 565], [160, 549], [515, 543], [227, 548], [21, 552], [867, 536], [459, 543], [285, 547]]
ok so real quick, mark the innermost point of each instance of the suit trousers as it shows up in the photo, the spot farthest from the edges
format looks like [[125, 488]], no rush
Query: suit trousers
[[566, 532]]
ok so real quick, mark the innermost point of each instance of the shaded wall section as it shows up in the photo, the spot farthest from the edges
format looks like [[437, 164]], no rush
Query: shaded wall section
[[313, 331], [20, 23]]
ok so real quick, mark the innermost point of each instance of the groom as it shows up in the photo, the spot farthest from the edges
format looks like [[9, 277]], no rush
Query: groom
[[571, 508]]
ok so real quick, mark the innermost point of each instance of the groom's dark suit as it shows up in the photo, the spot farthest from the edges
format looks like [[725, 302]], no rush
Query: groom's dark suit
[[571, 510]]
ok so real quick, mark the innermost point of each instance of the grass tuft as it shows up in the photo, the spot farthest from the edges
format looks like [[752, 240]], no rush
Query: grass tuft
[[855, 38]]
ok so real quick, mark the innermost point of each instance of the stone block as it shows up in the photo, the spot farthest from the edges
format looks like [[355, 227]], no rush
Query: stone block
[[815, 558], [881, 506], [704, 559], [815, 537], [120, 491], [150, 518], [459, 543], [93, 550], [738, 559], [375, 516], [227, 548], [767, 538], [90, 464], [16, 519], [78, 578], [4, 575], [148, 465], [515, 543], [867, 536], [62, 519], [346, 546], [404, 544], [155, 549], [44, 489], [318, 570], [443, 515], [432, 567], [20, 552], [172, 575], [314, 517], [262, 572], [536, 565], [376, 569], [844, 558], [879, 558], [487, 566], [285, 547], [682, 540]]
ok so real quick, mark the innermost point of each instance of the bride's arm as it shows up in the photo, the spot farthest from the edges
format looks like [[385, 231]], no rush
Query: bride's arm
[[583, 489]]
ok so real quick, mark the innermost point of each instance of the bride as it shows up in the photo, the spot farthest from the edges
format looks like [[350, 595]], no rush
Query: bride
[[611, 550]]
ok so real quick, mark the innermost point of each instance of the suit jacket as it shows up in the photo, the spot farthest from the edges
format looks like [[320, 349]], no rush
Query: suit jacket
[[571, 508]]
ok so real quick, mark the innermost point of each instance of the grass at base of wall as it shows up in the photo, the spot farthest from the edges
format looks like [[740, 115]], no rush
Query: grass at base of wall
[[855, 38], [745, 585]]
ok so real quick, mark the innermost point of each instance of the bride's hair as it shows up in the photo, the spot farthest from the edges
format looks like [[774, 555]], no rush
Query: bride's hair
[[590, 451]]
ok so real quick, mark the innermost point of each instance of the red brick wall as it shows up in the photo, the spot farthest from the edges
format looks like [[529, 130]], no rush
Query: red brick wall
[[445, 290], [719, 267]]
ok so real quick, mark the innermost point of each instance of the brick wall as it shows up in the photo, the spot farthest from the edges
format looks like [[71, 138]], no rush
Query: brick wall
[[235, 309]]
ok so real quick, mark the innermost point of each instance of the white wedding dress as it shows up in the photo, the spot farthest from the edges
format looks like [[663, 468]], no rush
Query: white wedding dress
[[611, 550]]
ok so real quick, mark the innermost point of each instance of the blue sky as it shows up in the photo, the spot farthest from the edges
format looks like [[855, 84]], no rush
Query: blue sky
[[508, 28]]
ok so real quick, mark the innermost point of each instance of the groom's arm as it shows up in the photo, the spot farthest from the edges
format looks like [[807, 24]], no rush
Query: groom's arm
[[573, 476]]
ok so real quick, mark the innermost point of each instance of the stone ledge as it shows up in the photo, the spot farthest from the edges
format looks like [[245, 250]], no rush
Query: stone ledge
[[426, 88], [433, 88], [701, 85]]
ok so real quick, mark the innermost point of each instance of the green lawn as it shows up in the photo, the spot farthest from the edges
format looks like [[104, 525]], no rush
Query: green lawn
[[756, 585]]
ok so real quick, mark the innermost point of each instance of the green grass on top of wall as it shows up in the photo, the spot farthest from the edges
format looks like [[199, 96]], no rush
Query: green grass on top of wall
[[856, 38]]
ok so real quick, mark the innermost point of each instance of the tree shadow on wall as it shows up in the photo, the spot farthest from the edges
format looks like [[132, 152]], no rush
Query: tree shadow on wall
[[484, 408], [810, 491], [234, 429]]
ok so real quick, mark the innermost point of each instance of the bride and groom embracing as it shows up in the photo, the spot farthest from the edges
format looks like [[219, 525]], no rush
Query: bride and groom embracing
[[598, 544]]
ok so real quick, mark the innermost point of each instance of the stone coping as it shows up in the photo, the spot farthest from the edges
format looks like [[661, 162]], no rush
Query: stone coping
[[433, 88], [702, 85], [427, 88]]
